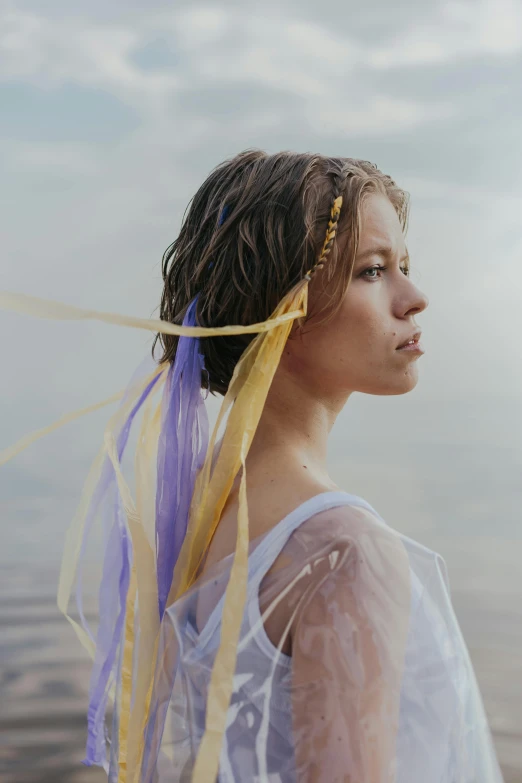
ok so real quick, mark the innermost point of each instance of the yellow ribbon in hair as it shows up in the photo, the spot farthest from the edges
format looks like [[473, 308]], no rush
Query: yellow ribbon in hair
[[58, 311], [247, 390]]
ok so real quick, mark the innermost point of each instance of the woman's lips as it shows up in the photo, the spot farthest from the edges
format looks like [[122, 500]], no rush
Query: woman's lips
[[416, 347]]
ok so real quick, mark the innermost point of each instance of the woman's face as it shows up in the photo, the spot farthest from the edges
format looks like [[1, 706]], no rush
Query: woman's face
[[357, 349]]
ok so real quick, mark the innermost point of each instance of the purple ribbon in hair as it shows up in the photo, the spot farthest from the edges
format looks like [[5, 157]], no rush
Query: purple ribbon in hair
[[182, 447]]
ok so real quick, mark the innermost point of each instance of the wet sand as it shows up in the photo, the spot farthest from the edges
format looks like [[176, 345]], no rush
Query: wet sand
[[45, 674]]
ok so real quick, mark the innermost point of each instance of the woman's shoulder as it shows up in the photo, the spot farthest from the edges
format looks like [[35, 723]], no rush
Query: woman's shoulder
[[333, 559], [338, 529], [350, 518]]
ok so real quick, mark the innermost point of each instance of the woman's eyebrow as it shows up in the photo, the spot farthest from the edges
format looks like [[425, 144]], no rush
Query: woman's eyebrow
[[383, 250]]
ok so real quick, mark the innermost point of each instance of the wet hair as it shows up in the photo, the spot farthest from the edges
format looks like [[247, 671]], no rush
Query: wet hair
[[253, 229]]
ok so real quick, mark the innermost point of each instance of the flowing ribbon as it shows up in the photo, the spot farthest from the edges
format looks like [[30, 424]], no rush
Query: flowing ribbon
[[150, 562]]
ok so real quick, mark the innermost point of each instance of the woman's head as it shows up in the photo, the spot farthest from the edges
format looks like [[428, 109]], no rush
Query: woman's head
[[252, 231], [357, 349]]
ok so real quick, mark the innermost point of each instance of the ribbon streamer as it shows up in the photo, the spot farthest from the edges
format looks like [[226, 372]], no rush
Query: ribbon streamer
[[144, 582]]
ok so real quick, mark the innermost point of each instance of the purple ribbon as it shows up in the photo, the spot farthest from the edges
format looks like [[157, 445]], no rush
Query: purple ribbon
[[112, 592], [182, 447]]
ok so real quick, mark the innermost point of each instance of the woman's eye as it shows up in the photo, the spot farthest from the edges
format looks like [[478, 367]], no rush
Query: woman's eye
[[372, 269], [379, 268]]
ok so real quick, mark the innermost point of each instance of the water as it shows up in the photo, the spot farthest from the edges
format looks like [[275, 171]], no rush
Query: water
[[45, 671]]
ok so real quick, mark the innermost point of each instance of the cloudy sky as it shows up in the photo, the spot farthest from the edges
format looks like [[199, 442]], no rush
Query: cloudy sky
[[111, 116]]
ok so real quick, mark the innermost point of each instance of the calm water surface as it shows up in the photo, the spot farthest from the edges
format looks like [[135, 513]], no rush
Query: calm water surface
[[45, 671]]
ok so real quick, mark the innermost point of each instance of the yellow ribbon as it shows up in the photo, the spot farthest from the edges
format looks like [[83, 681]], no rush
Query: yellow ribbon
[[46, 308], [247, 392]]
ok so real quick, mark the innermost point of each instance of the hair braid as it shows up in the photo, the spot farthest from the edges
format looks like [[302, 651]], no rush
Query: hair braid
[[339, 183]]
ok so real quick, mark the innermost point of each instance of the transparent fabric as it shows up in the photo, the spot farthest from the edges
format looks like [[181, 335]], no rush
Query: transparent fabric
[[350, 664]]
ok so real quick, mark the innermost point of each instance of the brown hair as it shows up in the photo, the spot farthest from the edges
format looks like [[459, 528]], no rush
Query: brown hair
[[278, 208]]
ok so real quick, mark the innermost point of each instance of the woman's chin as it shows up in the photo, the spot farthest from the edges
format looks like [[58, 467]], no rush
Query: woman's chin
[[402, 383]]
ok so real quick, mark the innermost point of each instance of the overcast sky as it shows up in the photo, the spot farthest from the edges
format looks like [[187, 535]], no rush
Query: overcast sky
[[112, 114]]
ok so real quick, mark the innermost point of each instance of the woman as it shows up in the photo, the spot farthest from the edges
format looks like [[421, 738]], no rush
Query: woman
[[350, 666], [331, 650]]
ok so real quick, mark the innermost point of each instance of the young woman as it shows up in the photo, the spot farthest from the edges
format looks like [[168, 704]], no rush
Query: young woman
[[257, 621], [350, 662]]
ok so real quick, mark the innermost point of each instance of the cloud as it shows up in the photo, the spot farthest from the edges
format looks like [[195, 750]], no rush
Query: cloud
[[181, 49], [455, 30], [429, 91], [75, 50]]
